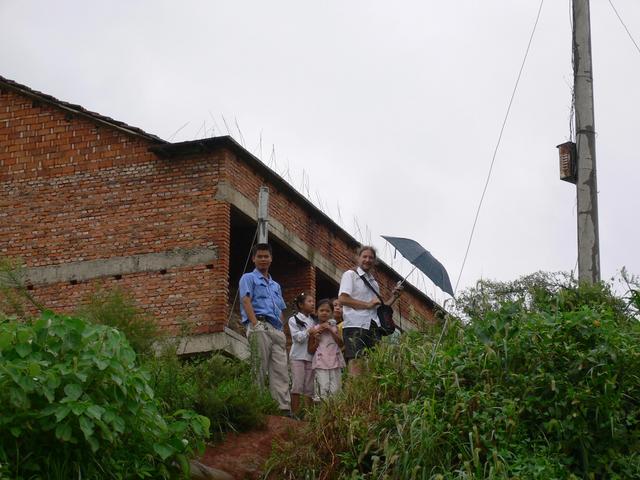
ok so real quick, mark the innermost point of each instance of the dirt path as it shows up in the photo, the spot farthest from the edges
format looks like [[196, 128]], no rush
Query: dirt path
[[243, 454]]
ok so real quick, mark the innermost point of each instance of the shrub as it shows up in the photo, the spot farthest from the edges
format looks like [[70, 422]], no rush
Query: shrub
[[217, 387], [76, 405], [537, 387], [117, 309], [114, 308], [15, 298]]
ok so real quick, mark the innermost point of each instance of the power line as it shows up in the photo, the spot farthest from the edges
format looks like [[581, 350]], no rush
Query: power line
[[495, 152], [624, 25]]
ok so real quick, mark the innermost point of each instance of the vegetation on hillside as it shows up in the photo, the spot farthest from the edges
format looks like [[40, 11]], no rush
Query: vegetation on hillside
[[540, 381], [218, 387], [84, 396]]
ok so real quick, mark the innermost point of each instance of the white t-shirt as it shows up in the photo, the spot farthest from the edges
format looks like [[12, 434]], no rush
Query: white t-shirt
[[300, 337], [354, 286]]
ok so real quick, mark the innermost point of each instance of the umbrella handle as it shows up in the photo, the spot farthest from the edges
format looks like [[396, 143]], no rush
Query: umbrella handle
[[405, 278], [401, 282]]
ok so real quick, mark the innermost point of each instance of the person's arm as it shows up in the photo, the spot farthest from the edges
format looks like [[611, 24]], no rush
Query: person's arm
[[298, 334], [397, 291], [245, 290], [248, 308], [334, 333], [312, 346], [345, 299], [281, 303]]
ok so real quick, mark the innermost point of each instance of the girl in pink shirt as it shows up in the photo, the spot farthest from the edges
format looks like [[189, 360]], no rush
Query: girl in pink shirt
[[328, 361]]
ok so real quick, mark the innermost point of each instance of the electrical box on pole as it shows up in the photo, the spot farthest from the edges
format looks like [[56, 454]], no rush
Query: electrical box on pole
[[567, 152], [263, 215]]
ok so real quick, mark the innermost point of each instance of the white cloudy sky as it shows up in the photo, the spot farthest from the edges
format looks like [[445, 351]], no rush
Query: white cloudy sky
[[390, 109]]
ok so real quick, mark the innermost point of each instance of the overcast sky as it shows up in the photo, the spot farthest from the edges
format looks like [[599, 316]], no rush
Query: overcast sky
[[389, 111]]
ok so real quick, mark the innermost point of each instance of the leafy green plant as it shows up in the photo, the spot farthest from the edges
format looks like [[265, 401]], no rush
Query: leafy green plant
[[538, 383], [75, 402]]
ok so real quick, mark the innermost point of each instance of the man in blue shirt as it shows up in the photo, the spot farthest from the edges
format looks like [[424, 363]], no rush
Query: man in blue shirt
[[261, 307]]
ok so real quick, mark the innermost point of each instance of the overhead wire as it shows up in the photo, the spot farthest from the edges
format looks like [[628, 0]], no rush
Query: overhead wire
[[495, 151], [624, 25], [486, 183]]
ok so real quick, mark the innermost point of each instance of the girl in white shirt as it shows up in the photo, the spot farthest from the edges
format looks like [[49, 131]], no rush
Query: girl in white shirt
[[300, 325]]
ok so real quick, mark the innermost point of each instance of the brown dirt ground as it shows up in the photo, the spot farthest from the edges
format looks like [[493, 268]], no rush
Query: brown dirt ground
[[243, 455]]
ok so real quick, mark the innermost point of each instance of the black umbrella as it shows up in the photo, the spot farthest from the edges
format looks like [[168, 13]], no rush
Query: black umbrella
[[423, 261]]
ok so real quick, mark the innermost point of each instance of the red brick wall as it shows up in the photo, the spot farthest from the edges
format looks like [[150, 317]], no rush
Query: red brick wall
[[294, 276], [74, 190], [71, 190], [179, 299], [300, 220]]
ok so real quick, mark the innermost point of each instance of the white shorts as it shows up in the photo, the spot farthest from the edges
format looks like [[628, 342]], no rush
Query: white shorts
[[329, 381]]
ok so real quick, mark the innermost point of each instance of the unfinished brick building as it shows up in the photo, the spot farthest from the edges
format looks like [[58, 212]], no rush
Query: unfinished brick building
[[86, 200]]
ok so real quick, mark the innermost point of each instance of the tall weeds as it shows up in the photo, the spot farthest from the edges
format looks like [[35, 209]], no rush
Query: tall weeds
[[543, 388]]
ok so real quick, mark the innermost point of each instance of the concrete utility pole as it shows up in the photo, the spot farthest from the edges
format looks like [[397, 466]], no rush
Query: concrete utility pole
[[263, 215], [587, 187]]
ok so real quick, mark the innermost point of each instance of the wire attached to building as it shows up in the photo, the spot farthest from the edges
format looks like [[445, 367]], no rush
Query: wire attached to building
[[624, 25], [244, 269], [495, 151]]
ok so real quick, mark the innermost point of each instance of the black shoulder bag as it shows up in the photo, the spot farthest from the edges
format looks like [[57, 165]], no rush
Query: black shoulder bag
[[385, 312]]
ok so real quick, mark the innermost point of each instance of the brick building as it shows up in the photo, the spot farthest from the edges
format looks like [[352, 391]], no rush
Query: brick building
[[86, 200]]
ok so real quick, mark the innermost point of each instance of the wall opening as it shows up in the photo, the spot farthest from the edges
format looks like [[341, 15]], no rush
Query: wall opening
[[325, 286]]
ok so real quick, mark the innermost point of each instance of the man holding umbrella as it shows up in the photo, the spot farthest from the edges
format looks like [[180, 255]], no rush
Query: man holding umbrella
[[360, 303]]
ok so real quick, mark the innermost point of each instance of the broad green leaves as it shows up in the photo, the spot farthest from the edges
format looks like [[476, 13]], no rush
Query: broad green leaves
[[6, 339], [72, 392], [69, 389]]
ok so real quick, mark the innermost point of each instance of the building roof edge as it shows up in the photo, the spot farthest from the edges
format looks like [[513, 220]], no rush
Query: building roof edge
[[76, 109]]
